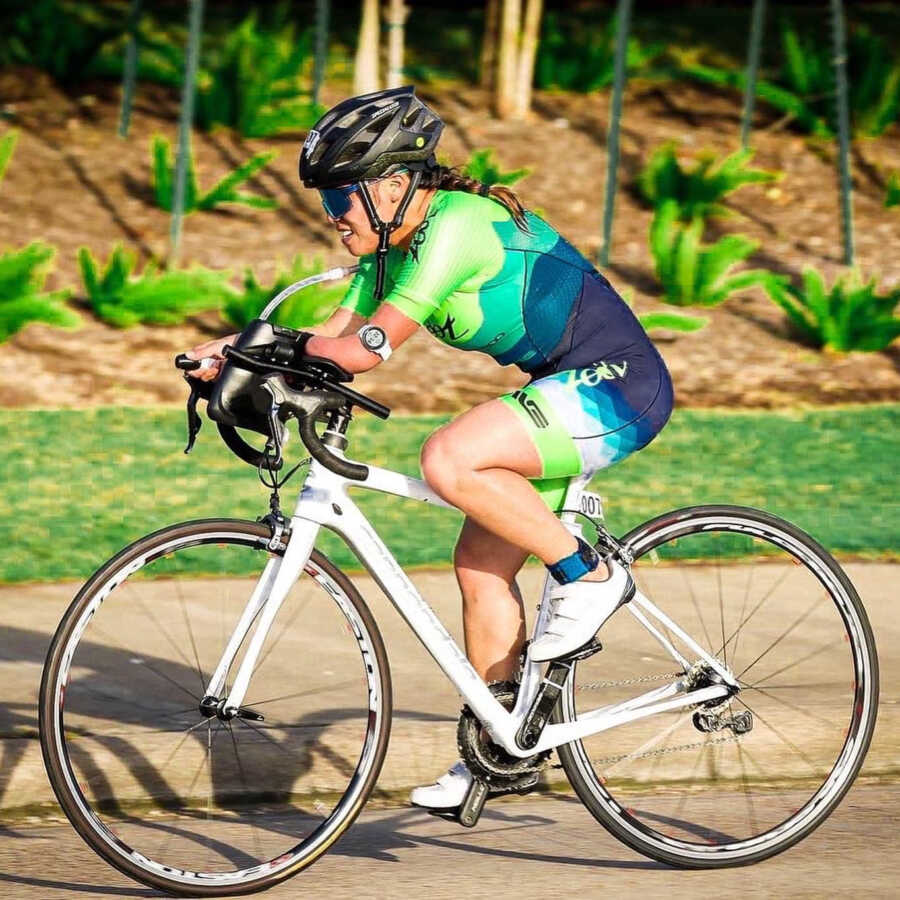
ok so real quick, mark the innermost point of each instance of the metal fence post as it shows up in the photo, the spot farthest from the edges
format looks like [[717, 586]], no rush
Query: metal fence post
[[322, 10], [129, 70], [185, 121], [753, 53], [839, 37], [623, 26]]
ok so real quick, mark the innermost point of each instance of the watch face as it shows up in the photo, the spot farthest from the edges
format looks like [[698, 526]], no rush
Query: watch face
[[373, 338]]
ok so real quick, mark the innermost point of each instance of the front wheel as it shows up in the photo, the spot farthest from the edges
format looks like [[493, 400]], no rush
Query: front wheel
[[733, 782], [171, 791]]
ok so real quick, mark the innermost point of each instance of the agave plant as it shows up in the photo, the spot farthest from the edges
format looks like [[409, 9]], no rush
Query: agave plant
[[7, 145], [692, 273], [60, 37], [892, 195], [224, 191], [124, 298], [22, 298], [582, 58], [482, 167], [307, 307], [850, 315], [804, 88], [666, 321], [253, 81], [699, 190]]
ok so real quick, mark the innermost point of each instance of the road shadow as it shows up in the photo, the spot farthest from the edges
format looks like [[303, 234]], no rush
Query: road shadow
[[380, 840]]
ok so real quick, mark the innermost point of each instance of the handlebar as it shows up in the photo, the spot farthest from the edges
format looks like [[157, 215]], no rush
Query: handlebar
[[324, 393], [315, 369]]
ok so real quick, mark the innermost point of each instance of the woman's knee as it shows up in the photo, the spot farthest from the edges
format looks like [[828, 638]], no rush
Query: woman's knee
[[443, 467]]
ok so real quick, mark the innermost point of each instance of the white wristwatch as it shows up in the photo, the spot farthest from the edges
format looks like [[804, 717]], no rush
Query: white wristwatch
[[375, 340]]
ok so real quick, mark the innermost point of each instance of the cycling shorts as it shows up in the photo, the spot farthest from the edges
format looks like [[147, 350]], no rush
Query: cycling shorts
[[583, 420]]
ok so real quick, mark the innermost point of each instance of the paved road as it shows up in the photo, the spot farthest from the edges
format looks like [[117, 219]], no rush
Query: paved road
[[539, 843], [523, 847]]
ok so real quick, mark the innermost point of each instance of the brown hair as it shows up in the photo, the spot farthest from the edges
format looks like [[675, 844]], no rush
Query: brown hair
[[449, 178]]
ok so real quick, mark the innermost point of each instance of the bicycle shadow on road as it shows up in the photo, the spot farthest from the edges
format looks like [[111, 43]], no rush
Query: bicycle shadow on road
[[408, 829]]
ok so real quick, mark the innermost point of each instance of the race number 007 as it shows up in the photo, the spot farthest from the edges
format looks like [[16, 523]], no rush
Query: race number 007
[[592, 505]]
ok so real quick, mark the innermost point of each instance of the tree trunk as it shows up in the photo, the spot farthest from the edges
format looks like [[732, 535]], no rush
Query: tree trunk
[[527, 53], [487, 75], [365, 69], [504, 93], [397, 13]]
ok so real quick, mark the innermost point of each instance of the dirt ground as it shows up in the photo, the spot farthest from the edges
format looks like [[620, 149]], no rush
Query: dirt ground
[[73, 183]]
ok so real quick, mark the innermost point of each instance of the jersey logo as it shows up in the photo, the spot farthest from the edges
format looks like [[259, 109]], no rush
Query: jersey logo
[[419, 237], [446, 332], [533, 410]]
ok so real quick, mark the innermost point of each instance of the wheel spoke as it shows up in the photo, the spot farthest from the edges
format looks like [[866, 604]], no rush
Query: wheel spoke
[[829, 646], [789, 630], [187, 622]]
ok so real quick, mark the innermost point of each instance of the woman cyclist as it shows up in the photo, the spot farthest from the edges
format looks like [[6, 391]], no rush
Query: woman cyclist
[[482, 273]]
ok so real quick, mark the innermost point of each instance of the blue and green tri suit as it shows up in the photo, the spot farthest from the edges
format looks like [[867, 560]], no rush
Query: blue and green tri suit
[[599, 389]]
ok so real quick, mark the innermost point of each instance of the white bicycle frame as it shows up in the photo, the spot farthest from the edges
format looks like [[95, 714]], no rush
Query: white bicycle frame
[[324, 501]]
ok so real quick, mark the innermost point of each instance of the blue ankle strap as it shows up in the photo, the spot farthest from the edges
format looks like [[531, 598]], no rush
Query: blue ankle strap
[[570, 568]]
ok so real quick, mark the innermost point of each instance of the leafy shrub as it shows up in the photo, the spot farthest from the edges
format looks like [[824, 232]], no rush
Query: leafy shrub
[[482, 167], [252, 80], [22, 300], [804, 87], [666, 321], [698, 191], [892, 196], [850, 315], [61, 38], [579, 58], [692, 273], [307, 307], [225, 191], [123, 298], [7, 145]]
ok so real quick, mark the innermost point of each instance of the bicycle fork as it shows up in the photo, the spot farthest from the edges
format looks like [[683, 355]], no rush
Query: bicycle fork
[[274, 584]]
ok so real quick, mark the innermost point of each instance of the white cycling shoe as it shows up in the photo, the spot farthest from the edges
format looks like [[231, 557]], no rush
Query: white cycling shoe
[[448, 792], [578, 609]]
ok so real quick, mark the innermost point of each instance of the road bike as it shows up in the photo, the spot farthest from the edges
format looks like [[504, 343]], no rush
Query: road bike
[[216, 702]]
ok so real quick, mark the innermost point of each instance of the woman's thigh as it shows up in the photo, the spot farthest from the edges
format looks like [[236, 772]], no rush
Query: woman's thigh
[[487, 436]]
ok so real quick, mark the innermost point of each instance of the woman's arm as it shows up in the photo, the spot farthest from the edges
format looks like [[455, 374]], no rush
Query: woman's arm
[[342, 321], [347, 349]]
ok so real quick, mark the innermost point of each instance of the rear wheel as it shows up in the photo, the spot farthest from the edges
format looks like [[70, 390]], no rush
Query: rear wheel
[[733, 782], [168, 790]]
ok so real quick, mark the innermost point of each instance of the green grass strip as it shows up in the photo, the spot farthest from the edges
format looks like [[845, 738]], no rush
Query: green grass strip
[[80, 484]]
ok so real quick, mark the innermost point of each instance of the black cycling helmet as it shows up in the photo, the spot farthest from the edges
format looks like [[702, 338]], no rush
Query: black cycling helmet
[[363, 137]]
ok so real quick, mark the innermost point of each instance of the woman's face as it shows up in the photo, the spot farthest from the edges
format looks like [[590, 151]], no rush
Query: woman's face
[[356, 231]]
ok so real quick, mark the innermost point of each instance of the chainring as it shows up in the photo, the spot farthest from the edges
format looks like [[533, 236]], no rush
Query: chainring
[[485, 759]]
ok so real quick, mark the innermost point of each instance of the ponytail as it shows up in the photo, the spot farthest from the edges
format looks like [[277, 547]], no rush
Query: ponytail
[[446, 178]]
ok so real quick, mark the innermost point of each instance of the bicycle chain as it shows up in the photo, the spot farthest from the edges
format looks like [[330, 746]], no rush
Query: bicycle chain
[[662, 752], [598, 685]]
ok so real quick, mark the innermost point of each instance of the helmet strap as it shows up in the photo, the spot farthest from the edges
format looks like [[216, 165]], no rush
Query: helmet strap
[[384, 229]]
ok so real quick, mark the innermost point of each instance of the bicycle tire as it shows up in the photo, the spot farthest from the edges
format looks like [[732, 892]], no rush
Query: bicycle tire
[[88, 818], [710, 847]]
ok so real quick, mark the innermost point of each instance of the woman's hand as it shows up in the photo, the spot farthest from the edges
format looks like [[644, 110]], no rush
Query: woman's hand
[[210, 350]]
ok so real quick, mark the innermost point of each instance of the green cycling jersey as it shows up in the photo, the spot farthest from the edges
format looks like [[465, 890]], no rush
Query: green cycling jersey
[[477, 281]]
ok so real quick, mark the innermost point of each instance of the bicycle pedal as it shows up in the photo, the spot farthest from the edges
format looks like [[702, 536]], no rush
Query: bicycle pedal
[[473, 803]]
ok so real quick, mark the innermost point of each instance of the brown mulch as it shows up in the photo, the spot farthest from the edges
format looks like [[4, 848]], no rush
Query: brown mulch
[[73, 183]]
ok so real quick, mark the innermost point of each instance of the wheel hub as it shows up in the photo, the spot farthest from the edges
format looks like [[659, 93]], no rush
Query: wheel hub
[[211, 706]]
